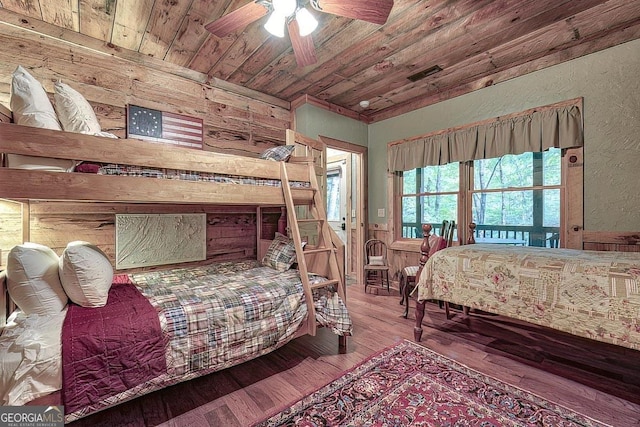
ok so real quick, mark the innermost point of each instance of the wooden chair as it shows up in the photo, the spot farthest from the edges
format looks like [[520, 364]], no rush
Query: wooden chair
[[376, 268], [409, 274]]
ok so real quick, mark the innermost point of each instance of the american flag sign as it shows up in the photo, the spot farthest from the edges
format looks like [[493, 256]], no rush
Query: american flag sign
[[159, 126]]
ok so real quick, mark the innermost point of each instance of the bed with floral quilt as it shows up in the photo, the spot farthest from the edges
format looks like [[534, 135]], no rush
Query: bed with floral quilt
[[592, 294]]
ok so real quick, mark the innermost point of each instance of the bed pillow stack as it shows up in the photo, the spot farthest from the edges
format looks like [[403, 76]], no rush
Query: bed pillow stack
[[31, 107], [41, 282]]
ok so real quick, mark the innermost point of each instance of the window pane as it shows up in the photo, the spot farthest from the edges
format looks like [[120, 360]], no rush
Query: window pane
[[439, 179], [333, 197], [503, 172], [436, 209], [409, 182], [529, 217], [503, 208], [409, 213], [551, 216], [551, 165]]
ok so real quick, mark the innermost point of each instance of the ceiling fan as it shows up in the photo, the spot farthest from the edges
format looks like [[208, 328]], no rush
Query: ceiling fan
[[299, 21]]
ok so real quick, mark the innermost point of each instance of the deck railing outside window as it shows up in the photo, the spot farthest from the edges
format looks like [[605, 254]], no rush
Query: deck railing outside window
[[546, 237]]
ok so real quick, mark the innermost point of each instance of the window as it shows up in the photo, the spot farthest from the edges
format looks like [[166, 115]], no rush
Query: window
[[429, 195], [516, 198], [513, 199]]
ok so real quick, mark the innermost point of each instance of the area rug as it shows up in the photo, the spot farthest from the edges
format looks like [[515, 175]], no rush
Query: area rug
[[410, 385]]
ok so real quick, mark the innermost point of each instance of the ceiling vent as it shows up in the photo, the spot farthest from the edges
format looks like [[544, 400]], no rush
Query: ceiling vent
[[424, 73]]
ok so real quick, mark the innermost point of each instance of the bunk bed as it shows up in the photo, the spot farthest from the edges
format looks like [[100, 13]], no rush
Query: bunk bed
[[589, 293], [184, 334]]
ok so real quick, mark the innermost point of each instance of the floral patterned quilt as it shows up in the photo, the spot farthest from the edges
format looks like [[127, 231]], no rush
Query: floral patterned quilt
[[587, 293]]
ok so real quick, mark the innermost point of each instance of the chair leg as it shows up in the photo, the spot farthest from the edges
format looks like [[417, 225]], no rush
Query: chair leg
[[406, 298], [366, 281], [402, 286]]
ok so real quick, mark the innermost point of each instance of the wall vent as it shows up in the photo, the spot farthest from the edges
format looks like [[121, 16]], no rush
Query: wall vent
[[424, 73]]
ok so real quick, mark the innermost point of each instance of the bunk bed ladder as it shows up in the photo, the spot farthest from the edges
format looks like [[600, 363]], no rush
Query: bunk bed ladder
[[313, 256]]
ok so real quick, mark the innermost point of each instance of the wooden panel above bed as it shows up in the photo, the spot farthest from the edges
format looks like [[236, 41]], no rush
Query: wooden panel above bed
[[16, 139]]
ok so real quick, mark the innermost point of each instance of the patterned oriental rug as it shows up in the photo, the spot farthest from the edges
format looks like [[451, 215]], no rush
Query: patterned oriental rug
[[409, 385]]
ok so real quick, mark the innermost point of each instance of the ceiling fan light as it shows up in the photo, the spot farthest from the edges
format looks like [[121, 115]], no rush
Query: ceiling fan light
[[284, 7], [275, 24], [306, 22]]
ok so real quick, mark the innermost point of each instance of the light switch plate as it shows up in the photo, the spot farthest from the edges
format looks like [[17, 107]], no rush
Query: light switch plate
[[381, 213]]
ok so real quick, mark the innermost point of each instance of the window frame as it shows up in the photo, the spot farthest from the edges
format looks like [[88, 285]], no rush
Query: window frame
[[571, 203]]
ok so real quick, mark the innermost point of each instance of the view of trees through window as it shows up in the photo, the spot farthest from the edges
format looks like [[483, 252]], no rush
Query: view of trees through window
[[515, 198], [333, 196]]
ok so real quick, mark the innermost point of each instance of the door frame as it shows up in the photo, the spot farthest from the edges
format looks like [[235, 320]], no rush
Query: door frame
[[361, 197]]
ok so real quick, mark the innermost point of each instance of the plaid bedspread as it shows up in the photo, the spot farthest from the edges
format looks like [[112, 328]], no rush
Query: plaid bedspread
[[223, 314], [216, 316], [148, 172]]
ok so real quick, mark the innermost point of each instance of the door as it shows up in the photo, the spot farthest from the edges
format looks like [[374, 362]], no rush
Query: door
[[338, 198], [353, 200]]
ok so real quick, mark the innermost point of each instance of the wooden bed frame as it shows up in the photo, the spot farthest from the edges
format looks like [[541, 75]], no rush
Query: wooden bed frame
[[83, 189], [22, 185], [592, 240]]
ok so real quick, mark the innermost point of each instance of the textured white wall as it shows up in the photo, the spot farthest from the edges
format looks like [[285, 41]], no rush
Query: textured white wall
[[313, 121], [609, 82]]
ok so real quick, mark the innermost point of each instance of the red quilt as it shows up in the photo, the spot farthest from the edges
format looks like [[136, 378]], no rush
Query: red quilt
[[107, 350]]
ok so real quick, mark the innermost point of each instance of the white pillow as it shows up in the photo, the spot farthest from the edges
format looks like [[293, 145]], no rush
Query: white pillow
[[31, 107], [74, 111], [86, 274], [30, 103], [33, 281]]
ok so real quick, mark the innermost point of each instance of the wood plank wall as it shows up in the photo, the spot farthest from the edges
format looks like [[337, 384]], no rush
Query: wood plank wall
[[231, 231], [611, 241], [236, 120]]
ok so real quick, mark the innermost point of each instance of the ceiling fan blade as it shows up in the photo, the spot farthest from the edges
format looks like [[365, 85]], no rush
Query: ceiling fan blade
[[303, 47], [237, 19], [374, 11]]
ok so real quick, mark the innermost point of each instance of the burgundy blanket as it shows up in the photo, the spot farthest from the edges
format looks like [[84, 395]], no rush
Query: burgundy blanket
[[110, 349]]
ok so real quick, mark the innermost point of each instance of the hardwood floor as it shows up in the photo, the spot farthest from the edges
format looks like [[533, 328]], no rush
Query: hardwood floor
[[595, 379]]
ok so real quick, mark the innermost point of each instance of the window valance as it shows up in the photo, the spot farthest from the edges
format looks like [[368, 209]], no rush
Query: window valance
[[535, 130]]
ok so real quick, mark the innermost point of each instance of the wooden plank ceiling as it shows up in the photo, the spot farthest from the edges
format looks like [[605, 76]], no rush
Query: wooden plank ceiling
[[476, 43]]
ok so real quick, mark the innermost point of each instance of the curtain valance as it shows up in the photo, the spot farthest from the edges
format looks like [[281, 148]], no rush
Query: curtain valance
[[533, 131]]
